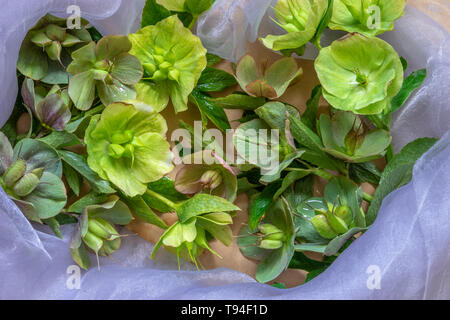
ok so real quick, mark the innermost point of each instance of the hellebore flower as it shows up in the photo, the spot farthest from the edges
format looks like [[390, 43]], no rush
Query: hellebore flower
[[368, 17], [106, 66], [31, 176], [301, 19], [51, 108], [47, 46], [359, 74], [273, 83], [127, 146], [201, 215], [96, 230], [173, 60], [216, 178], [344, 137]]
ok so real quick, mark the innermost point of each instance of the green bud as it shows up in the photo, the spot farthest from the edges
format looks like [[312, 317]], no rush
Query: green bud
[[158, 59], [165, 65], [149, 68], [129, 151], [159, 76], [14, 173], [322, 226], [38, 172], [337, 223], [40, 39], [96, 228], [93, 242], [345, 213], [54, 51], [115, 151], [109, 247], [102, 65], [271, 232], [26, 184], [271, 244]]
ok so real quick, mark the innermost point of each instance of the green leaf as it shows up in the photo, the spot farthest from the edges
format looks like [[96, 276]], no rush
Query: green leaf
[[92, 198], [312, 105], [289, 179], [364, 172], [213, 79], [261, 203], [275, 174], [166, 187], [304, 135], [248, 244], [240, 101], [397, 173], [300, 261], [81, 257], [72, 178], [314, 273], [54, 225], [411, 83], [197, 7], [212, 59], [80, 165], [61, 139], [140, 208], [337, 243], [113, 210], [153, 13], [208, 108], [201, 204], [323, 24], [272, 266]]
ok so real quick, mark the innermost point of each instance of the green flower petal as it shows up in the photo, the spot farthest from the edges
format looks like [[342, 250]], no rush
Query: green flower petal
[[82, 90]]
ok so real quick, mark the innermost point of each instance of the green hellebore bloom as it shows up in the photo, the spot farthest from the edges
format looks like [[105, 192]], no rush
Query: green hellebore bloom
[[213, 176], [47, 46], [344, 137], [30, 175], [106, 66], [173, 60], [273, 83], [359, 74], [301, 19], [368, 17], [127, 146]]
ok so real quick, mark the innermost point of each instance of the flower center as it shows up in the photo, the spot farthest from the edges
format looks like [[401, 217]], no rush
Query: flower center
[[162, 67], [211, 179]]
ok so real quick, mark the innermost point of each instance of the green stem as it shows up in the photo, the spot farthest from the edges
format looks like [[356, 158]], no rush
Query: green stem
[[163, 199], [194, 20], [367, 197]]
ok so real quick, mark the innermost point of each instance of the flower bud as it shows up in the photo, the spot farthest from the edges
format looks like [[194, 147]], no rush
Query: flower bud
[[336, 223], [271, 244], [115, 151], [345, 213], [322, 226], [26, 184], [122, 137], [14, 173]]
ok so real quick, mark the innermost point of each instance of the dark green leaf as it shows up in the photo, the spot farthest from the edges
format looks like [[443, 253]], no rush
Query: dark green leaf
[[197, 7], [73, 179], [213, 79], [314, 273], [323, 24], [240, 101], [336, 244], [212, 59], [279, 285], [92, 198], [312, 105], [300, 261], [80, 165], [54, 225], [261, 203], [209, 109], [61, 139], [404, 63], [153, 13], [411, 83], [397, 173], [304, 135], [364, 172], [166, 187]]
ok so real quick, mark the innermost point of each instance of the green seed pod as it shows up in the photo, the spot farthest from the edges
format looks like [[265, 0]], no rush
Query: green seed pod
[[337, 223], [271, 244], [113, 234], [345, 213], [93, 242], [97, 229], [38, 172], [271, 232], [26, 185], [322, 226], [212, 179], [109, 247], [14, 173]]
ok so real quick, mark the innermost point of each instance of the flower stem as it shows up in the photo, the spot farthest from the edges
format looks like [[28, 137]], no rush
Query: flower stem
[[367, 197], [163, 199]]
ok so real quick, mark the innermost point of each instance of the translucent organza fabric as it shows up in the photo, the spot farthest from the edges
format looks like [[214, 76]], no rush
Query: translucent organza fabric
[[406, 249]]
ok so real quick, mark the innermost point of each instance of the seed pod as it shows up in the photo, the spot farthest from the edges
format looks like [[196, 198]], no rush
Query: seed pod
[[345, 213], [336, 223], [271, 232], [271, 244], [109, 247], [212, 179], [26, 184], [38, 172], [97, 229], [93, 242], [322, 226], [14, 173], [113, 234]]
